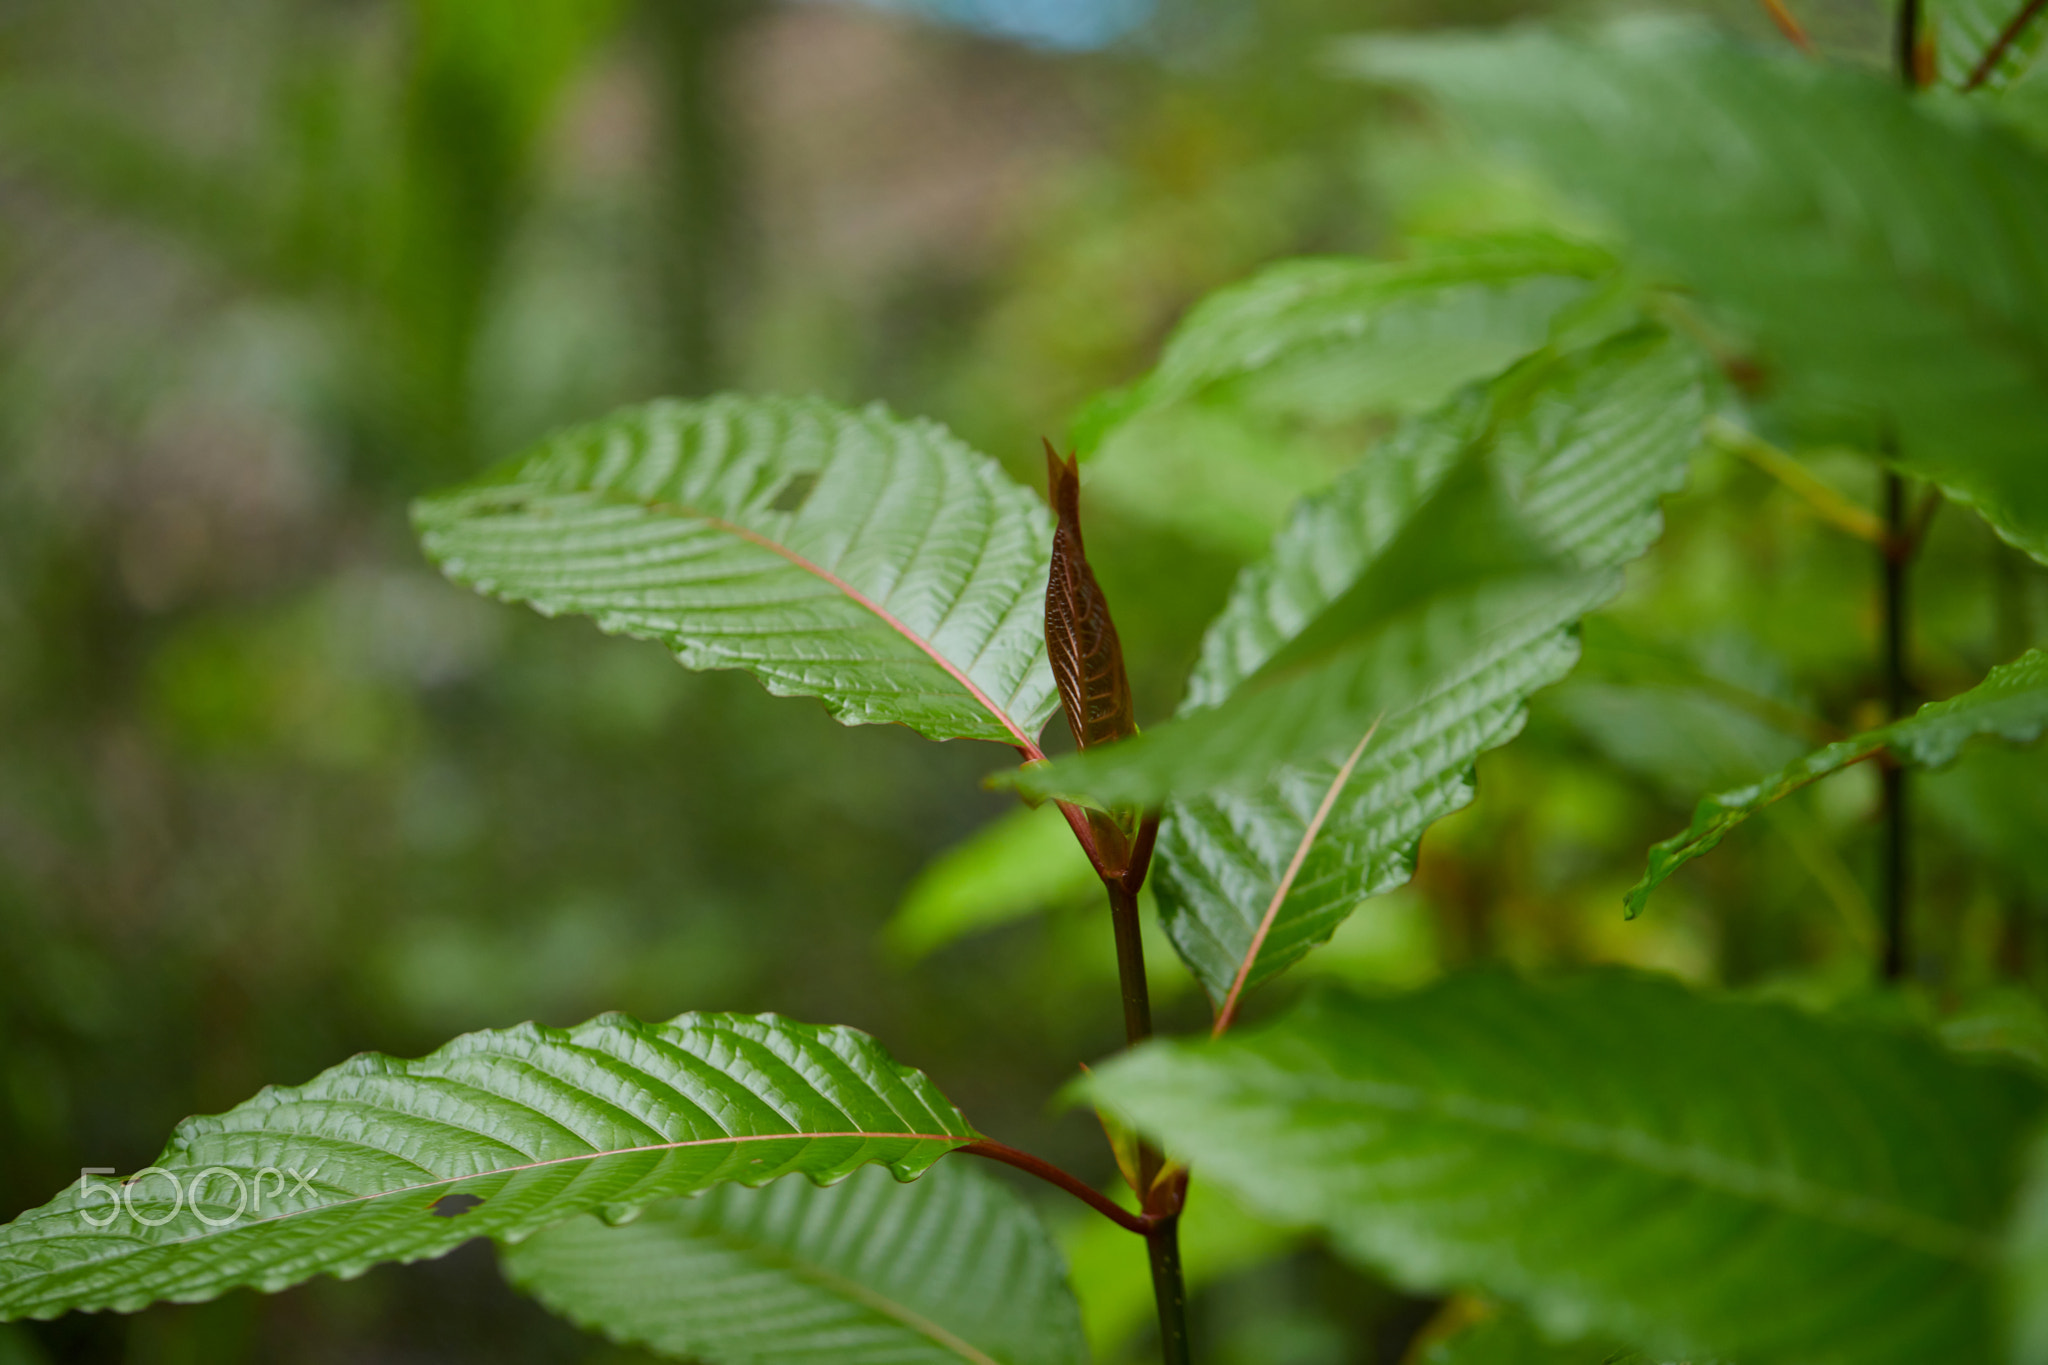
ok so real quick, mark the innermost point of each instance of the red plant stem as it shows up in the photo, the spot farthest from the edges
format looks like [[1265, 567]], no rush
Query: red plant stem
[[1141, 852], [1076, 821], [1788, 25], [1130, 961], [2007, 36], [1142, 1224]]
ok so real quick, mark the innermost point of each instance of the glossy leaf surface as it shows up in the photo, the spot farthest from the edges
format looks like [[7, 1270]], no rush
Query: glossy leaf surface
[[868, 1272], [497, 1134], [877, 564], [1594, 438], [1620, 1155]]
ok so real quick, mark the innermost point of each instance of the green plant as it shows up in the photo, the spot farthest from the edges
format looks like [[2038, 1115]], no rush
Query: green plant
[[1799, 252]]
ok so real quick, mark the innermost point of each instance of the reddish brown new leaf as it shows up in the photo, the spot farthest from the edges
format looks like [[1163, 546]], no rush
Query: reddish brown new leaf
[[1087, 658]]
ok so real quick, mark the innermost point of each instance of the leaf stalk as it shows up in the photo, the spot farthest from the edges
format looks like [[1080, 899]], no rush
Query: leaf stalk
[[1826, 503], [2007, 36], [1141, 1223]]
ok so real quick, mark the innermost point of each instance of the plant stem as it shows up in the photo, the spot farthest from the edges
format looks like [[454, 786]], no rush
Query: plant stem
[[2007, 36], [1072, 1184], [1130, 971], [1897, 556], [1897, 550], [1826, 503], [1788, 25], [1169, 1289], [1130, 962], [693, 42], [1906, 43], [1162, 1239]]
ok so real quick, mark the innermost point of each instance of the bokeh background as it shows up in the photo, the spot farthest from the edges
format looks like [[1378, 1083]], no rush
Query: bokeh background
[[272, 793]]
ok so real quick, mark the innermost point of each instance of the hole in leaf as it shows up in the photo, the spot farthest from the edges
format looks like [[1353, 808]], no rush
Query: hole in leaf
[[795, 491], [454, 1205]]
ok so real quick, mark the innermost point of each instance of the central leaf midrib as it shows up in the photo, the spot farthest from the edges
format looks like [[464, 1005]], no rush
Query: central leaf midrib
[[683, 512], [1644, 1151], [836, 1283], [316, 1209]]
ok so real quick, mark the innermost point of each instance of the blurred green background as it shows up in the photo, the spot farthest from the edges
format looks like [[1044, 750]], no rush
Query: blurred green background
[[272, 793]]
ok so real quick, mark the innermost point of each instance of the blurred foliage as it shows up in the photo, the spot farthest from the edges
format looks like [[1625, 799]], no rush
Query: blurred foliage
[[272, 793]]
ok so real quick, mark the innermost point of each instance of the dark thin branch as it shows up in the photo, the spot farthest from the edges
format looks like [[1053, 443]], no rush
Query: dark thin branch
[[1896, 553], [1897, 832], [1142, 1224], [1169, 1289], [1130, 962], [1906, 43], [2007, 36], [1922, 522]]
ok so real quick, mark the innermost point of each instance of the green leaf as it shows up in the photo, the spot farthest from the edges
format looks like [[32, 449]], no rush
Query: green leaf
[[2010, 704], [1511, 1339], [1464, 577], [2008, 1021], [1966, 31], [1620, 1155], [1993, 801], [1336, 337], [1595, 437], [1013, 866], [875, 563], [1265, 391], [953, 1268], [1884, 251], [2027, 1272], [497, 1134]]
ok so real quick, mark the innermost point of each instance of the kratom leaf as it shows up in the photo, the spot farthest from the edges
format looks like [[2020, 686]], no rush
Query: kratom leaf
[[1335, 337], [2006, 1021], [1508, 1338], [877, 564], [1464, 577], [1594, 437], [1022, 862], [869, 1272], [1081, 640], [497, 1134], [1993, 802], [1087, 657], [1619, 1155], [1902, 284], [1265, 391], [1965, 33], [2010, 704], [2026, 1288]]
